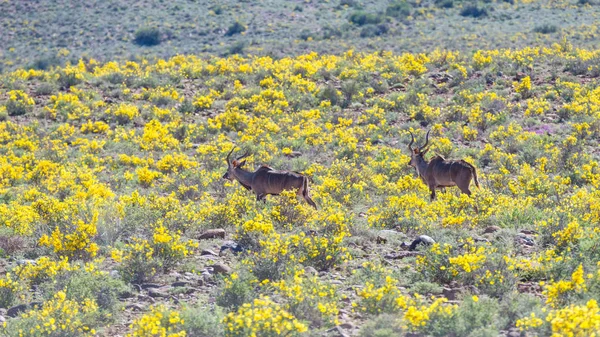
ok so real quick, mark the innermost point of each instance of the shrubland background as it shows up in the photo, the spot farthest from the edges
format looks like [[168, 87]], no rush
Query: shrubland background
[[113, 211]]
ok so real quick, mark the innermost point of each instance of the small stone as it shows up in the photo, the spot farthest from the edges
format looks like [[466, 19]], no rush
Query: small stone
[[310, 270], [2, 319], [400, 255], [491, 229], [126, 294], [294, 154], [157, 293], [114, 274], [16, 310], [220, 268], [180, 284], [212, 233], [208, 252], [451, 293], [347, 326], [528, 231], [135, 307], [150, 285], [336, 282], [230, 245], [25, 261]]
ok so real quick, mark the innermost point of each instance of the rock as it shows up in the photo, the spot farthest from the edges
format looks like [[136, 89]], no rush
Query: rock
[[347, 326], [528, 231], [294, 154], [2, 319], [400, 255], [421, 240], [232, 245], [362, 214], [310, 270], [220, 268], [381, 240], [491, 229], [341, 332], [208, 252], [524, 239], [24, 262], [150, 285], [212, 233], [157, 293], [180, 284], [114, 274], [336, 282], [126, 294], [135, 307], [16, 310], [451, 293]]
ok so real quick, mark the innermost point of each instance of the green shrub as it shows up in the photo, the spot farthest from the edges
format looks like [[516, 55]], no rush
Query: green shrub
[[148, 36], [79, 285], [235, 28], [384, 325], [474, 11], [203, 322], [237, 291], [374, 30], [546, 29], [399, 10], [363, 18]]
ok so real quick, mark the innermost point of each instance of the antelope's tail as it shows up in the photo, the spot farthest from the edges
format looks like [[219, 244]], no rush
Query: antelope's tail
[[305, 193], [474, 171]]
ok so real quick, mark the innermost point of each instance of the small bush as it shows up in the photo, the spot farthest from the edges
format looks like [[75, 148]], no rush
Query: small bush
[[203, 322], [398, 10], [331, 32], [80, 285], [374, 30], [306, 34], [545, 29], [384, 325], [235, 28], [45, 89], [236, 48], [444, 3], [363, 18], [330, 94], [148, 36], [237, 291], [474, 11]]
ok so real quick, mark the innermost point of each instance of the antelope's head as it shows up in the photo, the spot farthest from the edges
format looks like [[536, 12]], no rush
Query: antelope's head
[[417, 154], [232, 165]]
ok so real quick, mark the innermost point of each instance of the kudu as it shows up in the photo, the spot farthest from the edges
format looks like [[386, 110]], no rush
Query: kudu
[[265, 180], [439, 172]]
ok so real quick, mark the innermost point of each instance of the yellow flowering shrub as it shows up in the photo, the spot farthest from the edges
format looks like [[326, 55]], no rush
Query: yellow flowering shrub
[[56, 317], [159, 322], [262, 317]]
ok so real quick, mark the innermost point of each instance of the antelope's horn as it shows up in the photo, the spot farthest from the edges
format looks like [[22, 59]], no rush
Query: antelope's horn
[[243, 156], [426, 141], [412, 140], [229, 155]]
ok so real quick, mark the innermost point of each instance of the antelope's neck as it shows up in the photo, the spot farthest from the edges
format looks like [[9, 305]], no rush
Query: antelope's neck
[[243, 176], [422, 168]]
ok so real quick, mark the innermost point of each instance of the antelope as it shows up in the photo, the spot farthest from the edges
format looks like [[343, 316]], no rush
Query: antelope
[[439, 172], [266, 180]]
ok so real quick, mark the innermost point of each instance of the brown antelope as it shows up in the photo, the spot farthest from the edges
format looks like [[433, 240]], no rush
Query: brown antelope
[[439, 172], [266, 180]]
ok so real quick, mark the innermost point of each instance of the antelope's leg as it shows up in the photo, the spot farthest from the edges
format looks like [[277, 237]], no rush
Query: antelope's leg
[[432, 198]]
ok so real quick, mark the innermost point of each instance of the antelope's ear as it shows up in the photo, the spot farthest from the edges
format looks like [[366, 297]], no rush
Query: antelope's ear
[[234, 163]]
